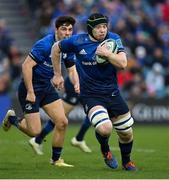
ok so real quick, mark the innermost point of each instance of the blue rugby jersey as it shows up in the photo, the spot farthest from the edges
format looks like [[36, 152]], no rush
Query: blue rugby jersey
[[94, 79], [41, 54]]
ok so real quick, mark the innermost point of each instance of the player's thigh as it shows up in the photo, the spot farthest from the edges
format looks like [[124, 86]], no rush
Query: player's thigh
[[97, 113], [33, 122], [123, 126], [99, 118], [52, 105], [55, 111], [31, 110], [28, 107], [116, 106], [67, 107]]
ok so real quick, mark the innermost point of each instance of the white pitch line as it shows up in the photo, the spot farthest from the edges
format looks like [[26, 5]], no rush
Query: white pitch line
[[25, 142], [136, 149], [145, 150]]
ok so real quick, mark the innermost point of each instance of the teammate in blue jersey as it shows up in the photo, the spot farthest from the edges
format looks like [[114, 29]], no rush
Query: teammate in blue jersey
[[70, 100], [36, 90], [99, 90]]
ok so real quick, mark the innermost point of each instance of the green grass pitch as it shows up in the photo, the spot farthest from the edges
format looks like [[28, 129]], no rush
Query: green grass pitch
[[150, 153]]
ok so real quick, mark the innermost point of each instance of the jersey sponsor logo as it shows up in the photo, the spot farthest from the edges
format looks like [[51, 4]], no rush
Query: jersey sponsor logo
[[47, 64], [28, 106], [82, 52], [89, 63]]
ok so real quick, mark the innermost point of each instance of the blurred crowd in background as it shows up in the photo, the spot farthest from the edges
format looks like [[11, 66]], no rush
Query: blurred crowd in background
[[142, 24]]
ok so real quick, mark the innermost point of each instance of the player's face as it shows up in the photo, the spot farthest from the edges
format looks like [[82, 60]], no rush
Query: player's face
[[100, 31], [64, 31]]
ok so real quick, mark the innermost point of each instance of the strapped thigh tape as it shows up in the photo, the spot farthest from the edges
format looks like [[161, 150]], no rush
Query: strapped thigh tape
[[124, 124], [99, 117]]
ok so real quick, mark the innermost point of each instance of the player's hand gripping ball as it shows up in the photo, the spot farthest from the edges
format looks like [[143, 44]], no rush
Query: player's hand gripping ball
[[110, 45]]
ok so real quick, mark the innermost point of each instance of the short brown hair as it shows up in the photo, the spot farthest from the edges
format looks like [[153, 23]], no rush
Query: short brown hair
[[64, 20]]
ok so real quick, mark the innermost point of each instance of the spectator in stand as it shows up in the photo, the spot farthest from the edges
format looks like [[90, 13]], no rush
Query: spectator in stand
[[165, 10], [158, 57], [155, 81], [4, 79], [5, 39], [141, 23], [5, 100]]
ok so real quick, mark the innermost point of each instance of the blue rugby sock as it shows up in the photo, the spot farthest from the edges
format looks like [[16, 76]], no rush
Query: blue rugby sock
[[85, 126], [125, 151], [49, 126], [103, 142], [56, 152], [14, 121]]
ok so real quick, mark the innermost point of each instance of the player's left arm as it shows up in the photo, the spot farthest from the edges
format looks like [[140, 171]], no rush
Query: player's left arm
[[119, 60], [73, 75]]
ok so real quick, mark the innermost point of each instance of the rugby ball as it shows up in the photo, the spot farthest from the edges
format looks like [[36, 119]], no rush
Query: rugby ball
[[110, 45]]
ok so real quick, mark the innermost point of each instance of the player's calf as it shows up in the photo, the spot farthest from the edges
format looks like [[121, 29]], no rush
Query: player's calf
[[101, 121], [123, 128]]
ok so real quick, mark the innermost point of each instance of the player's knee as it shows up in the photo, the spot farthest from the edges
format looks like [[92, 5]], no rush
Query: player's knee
[[34, 132], [100, 120], [125, 137], [62, 123], [105, 129]]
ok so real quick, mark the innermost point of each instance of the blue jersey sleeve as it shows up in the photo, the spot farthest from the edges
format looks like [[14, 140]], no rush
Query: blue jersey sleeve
[[67, 45], [116, 37], [70, 60], [71, 57], [38, 52], [120, 47]]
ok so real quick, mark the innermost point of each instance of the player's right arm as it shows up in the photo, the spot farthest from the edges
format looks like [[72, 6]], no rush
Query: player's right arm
[[27, 68], [73, 75], [57, 79], [65, 46]]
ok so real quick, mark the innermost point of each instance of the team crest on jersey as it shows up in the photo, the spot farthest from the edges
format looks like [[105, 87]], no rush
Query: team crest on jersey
[[73, 100], [28, 106]]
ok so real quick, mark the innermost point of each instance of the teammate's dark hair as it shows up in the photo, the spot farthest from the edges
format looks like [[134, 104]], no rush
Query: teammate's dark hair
[[64, 20]]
